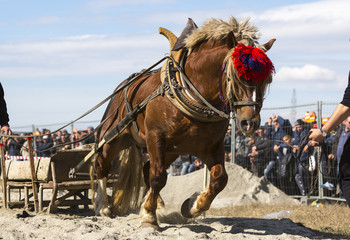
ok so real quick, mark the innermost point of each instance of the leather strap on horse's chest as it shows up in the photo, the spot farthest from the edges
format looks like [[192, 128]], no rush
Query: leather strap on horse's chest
[[128, 109], [130, 116], [182, 98]]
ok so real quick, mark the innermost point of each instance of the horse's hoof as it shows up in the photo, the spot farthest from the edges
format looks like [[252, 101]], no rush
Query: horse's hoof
[[105, 212], [188, 205], [155, 226]]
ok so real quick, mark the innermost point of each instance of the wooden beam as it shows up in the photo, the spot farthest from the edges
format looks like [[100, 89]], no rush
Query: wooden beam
[[32, 170], [4, 176]]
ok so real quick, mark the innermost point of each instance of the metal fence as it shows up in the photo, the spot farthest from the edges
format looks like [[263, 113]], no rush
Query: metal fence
[[313, 180], [318, 183]]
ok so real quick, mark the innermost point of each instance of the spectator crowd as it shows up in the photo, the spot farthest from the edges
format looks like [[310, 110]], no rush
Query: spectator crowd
[[272, 153], [46, 143]]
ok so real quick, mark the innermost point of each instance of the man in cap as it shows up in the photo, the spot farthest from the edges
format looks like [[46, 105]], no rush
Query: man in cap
[[91, 138], [43, 149]]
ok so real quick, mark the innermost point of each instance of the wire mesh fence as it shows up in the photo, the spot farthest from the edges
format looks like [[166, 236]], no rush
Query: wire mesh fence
[[272, 154], [295, 178]]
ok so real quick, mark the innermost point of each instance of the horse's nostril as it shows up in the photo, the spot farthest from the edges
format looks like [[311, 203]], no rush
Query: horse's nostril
[[247, 124]]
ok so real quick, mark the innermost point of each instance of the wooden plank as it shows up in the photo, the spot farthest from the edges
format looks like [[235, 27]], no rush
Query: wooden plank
[[4, 176], [32, 170], [52, 206]]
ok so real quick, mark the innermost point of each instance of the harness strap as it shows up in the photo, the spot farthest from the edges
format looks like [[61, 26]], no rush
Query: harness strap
[[128, 108], [193, 88], [117, 130], [246, 103]]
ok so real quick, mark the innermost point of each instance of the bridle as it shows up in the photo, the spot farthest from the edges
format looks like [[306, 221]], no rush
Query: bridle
[[234, 104]]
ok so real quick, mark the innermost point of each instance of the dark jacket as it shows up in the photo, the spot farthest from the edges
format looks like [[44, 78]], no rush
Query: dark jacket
[[344, 164], [276, 135], [4, 117], [263, 148]]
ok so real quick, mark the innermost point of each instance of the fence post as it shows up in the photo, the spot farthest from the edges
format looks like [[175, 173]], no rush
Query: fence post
[[320, 176], [233, 140], [72, 135], [33, 175], [34, 139]]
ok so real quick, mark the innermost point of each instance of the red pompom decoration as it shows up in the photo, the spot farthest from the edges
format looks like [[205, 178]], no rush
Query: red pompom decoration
[[252, 63]]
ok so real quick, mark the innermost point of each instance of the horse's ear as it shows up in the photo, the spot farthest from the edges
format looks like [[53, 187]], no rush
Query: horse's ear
[[231, 40], [268, 45], [190, 26]]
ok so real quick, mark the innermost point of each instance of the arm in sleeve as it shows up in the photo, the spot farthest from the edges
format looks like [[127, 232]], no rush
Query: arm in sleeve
[[346, 97], [4, 117]]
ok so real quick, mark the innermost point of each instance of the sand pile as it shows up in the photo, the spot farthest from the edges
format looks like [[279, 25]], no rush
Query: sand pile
[[243, 188]]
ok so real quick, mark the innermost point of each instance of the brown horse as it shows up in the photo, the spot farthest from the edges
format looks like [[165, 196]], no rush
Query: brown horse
[[188, 113]]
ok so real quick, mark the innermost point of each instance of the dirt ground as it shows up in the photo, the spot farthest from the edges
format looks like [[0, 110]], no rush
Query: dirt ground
[[243, 189]]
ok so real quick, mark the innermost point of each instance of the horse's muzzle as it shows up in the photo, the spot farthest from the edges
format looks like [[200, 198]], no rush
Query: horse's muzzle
[[248, 126]]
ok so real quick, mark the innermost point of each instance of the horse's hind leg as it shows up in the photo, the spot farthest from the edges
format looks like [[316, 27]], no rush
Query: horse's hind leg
[[160, 202], [195, 205]]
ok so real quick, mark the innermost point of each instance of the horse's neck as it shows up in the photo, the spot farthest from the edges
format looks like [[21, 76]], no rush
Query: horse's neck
[[203, 68]]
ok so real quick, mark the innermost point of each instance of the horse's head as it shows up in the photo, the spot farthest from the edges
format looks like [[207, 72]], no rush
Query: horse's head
[[246, 70], [248, 73]]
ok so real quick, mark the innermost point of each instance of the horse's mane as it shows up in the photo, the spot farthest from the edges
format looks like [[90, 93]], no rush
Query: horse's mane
[[217, 29]]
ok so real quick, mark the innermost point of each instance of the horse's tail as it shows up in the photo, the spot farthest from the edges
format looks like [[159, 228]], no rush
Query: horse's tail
[[126, 193]]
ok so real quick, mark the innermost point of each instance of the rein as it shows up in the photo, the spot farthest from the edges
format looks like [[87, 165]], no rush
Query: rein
[[323, 150]]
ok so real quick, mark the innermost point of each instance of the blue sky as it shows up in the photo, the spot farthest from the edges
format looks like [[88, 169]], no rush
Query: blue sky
[[60, 58]]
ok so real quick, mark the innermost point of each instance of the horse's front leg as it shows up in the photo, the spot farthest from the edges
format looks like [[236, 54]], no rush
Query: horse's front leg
[[157, 180], [197, 204]]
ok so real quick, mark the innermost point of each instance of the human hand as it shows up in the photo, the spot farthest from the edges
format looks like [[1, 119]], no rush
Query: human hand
[[254, 153], [295, 148], [331, 156], [274, 118], [276, 148], [316, 135], [5, 129]]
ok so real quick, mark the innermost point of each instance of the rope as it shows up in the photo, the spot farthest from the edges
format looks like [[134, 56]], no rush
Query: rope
[[23, 158], [322, 150], [126, 83]]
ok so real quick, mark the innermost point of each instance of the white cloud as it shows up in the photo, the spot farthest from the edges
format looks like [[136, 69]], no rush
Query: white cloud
[[106, 4], [81, 56], [306, 76], [44, 20], [316, 27], [327, 10]]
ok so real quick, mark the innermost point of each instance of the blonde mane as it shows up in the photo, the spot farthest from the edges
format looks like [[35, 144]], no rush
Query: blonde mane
[[217, 29]]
